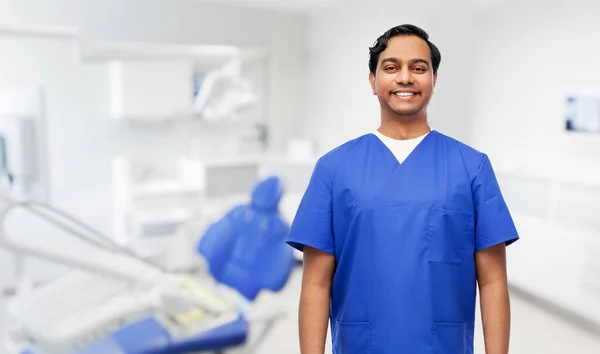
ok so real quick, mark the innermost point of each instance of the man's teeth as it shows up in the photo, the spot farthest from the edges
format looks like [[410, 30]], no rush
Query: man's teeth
[[404, 94]]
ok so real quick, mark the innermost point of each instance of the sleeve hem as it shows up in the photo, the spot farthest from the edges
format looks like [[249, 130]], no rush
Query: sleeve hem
[[509, 240], [299, 245]]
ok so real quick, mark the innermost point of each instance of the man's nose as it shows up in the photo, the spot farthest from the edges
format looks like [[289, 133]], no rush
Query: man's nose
[[404, 77]]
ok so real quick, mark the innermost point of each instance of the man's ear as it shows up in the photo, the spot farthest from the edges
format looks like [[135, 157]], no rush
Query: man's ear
[[372, 82], [434, 79]]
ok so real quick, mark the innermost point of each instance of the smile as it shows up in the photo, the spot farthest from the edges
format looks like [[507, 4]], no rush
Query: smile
[[406, 94]]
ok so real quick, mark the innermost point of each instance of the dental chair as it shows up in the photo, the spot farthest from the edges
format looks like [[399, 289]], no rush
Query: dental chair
[[116, 303], [246, 249]]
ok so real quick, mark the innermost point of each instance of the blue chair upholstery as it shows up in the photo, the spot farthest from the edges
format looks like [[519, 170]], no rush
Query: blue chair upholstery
[[246, 249], [148, 336]]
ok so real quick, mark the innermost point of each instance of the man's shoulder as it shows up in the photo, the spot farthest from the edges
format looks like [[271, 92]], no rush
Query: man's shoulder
[[468, 153], [332, 158]]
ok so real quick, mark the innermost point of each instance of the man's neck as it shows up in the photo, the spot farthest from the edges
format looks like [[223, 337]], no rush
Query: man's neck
[[404, 129]]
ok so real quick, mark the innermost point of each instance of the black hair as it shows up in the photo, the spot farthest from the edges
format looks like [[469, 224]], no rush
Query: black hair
[[402, 30]]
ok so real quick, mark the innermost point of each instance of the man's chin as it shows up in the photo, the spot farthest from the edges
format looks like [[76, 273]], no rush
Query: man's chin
[[407, 113]]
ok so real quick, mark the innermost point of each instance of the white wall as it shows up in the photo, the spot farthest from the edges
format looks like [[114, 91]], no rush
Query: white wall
[[341, 105], [528, 57], [181, 21], [81, 137], [527, 61]]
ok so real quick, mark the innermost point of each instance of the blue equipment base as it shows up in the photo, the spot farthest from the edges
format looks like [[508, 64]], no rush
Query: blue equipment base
[[148, 336]]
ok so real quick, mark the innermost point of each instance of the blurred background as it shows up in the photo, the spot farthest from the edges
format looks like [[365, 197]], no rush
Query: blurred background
[[152, 152]]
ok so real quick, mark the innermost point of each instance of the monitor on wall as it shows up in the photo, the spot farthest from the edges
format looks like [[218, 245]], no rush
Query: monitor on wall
[[582, 112]]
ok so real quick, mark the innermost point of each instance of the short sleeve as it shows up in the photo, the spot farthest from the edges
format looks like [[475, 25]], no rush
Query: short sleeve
[[493, 222], [312, 225]]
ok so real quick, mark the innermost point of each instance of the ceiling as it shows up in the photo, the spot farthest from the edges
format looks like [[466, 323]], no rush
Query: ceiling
[[299, 6]]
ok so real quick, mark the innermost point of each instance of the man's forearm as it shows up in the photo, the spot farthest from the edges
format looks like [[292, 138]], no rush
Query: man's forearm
[[495, 315], [313, 319]]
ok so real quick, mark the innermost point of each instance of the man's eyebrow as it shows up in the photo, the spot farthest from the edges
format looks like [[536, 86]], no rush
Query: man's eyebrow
[[413, 61], [420, 61], [390, 60]]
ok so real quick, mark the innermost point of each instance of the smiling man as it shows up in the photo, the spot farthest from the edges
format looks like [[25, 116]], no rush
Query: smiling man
[[399, 227]]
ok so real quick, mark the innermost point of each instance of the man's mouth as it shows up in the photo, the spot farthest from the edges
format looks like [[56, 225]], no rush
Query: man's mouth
[[405, 94]]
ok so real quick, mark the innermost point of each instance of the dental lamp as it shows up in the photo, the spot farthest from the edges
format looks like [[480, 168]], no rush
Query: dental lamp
[[224, 94]]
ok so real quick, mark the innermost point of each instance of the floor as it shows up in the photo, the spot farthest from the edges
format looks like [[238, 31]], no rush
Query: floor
[[533, 329]]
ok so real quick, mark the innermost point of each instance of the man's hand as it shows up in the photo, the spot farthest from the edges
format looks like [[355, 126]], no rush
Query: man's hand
[[313, 316], [494, 298]]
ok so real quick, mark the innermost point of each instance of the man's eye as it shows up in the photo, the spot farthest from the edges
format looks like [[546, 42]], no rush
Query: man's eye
[[389, 68], [420, 69]]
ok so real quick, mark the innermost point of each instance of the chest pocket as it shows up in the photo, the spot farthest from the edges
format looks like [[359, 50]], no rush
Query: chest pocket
[[449, 235]]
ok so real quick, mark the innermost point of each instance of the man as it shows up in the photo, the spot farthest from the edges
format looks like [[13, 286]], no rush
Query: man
[[400, 225]]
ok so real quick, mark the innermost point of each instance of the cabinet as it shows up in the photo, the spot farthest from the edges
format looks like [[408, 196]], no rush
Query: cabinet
[[151, 81], [150, 89], [558, 256]]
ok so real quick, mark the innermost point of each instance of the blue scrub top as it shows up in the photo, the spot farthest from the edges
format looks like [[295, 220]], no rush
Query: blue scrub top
[[404, 238]]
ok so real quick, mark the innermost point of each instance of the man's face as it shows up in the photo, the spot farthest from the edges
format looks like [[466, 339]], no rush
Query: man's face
[[404, 78]]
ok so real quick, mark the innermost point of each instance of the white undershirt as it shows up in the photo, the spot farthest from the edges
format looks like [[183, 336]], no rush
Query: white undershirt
[[400, 148]]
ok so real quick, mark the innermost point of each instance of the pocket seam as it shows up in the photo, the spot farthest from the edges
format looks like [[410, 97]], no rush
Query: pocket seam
[[354, 322], [360, 323], [465, 240], [445, 325]]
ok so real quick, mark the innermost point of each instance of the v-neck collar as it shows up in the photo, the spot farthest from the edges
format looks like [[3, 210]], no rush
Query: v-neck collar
[[415, 151]]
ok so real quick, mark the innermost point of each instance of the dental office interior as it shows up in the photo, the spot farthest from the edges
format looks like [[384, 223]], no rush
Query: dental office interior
[[152, 151]]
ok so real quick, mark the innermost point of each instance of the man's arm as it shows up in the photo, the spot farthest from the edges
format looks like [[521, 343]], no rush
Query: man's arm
[[313, 314], [494, 298]]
